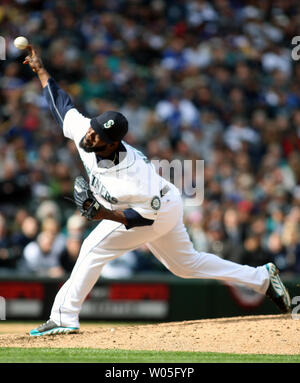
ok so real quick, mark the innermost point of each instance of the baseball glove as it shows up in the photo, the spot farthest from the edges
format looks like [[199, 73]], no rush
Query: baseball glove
[[84, 199]]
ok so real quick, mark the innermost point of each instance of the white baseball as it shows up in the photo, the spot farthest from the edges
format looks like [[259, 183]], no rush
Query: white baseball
[[21, 42]]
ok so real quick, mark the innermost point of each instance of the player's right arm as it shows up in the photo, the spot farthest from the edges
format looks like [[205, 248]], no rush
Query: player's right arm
[[35, 62], [58, 100]]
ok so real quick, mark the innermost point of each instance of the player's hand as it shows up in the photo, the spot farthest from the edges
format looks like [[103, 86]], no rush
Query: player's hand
[[33, 59]]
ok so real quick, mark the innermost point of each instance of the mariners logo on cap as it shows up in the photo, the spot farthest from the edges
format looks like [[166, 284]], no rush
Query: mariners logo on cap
[[109, 124], [155, 203]]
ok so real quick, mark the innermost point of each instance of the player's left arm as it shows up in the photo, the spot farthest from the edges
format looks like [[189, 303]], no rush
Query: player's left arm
[[129, 217], [95, 211]]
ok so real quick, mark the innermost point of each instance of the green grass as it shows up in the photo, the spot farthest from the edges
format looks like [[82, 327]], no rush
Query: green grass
[[75, 355]]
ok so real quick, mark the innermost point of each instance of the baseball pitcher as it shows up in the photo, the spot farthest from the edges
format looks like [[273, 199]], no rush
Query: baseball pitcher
[[134, 206]]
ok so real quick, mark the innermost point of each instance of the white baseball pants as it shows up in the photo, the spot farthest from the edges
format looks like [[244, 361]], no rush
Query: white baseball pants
[[167, 239]]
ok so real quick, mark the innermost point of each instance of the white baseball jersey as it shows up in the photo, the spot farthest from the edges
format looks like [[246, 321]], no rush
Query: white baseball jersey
[[132, 183]]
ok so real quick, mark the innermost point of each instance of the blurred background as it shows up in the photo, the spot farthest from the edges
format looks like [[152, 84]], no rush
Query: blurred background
[[210, 80]]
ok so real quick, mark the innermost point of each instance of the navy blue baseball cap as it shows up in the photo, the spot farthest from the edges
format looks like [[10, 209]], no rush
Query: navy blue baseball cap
[[111, 126]]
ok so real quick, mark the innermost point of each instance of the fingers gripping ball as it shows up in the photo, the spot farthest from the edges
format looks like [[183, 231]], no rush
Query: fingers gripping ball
[[84, 199], [21, 42]]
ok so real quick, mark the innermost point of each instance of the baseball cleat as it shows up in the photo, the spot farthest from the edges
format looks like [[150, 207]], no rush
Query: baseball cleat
[[51, 328], [277, 291]]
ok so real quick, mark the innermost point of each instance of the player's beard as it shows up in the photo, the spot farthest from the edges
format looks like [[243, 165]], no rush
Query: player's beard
[[90, 149]]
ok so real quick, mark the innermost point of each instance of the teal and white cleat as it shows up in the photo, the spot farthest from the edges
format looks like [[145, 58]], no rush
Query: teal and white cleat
[[277, 292], [51, 328]]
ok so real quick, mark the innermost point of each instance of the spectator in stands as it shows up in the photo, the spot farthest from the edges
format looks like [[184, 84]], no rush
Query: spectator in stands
[[76, 225], [51, 225], [8, 252], [40, 256], [254, 253], [26, 233], [69, 254], [278, 252]]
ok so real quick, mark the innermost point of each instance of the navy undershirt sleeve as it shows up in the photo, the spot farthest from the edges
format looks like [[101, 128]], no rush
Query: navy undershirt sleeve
[[58, 101], [135, 219]]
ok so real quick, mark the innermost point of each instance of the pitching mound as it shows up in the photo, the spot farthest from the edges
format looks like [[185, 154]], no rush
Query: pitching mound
[[272, 334]]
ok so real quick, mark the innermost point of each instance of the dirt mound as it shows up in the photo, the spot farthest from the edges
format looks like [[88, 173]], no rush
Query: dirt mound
[[271, 334]]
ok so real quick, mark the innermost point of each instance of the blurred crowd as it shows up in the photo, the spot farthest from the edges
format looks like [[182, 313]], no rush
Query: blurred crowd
[[209, 80]]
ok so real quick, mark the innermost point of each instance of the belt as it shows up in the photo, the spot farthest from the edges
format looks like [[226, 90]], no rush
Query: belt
[[164, 191]]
